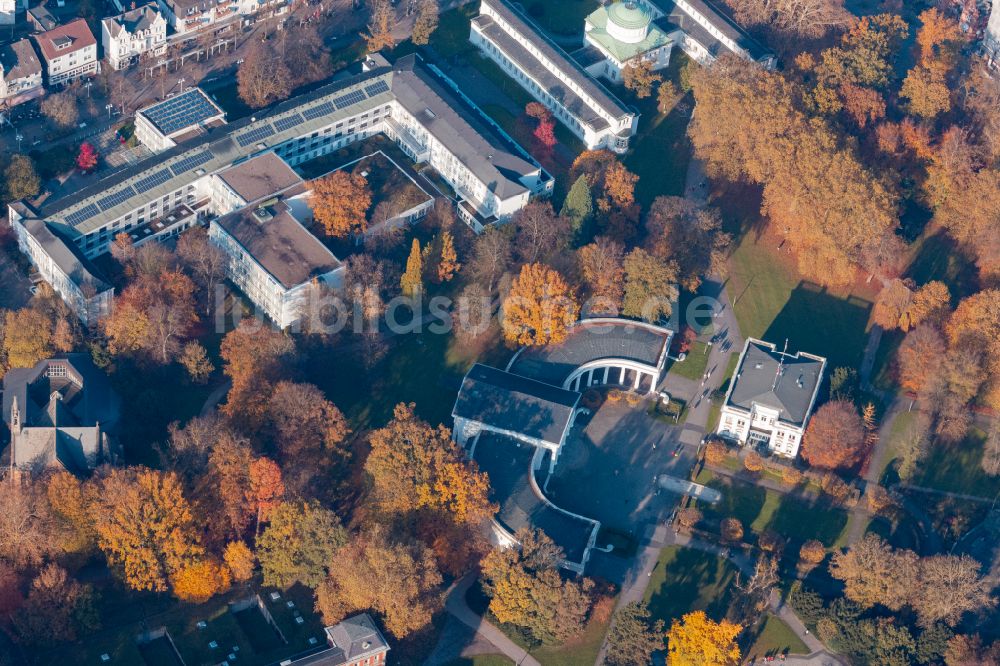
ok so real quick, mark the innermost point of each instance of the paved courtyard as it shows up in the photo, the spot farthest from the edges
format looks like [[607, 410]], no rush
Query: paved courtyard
[[609, 468]]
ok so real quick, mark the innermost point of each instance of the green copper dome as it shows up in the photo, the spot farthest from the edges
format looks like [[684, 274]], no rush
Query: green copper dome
[[628, 15]]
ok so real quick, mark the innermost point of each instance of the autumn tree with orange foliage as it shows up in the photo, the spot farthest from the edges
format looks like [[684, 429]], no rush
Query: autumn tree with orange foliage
[[254, 354], [602, 266], [539, 308], [266, 488], [639, 77], [864, 106], [199, 582], [340, 203], [153, 315], [835, 436], [613, 185], [901, 305], [240, 560], [696, 639], [448, 259], [975, 325], [144, 526]]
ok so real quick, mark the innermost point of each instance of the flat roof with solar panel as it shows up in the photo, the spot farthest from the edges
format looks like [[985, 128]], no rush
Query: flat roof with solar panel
[[191, 108]]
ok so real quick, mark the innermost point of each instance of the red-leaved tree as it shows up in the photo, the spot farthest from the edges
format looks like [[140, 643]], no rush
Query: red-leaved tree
[[87, 158]]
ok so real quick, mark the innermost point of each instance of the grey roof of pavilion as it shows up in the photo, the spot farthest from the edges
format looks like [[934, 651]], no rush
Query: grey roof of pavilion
[[329, 103], [279, 243], [508, 464], [593, 340], [67, 256], [260, 176], [514, 403], [793, 392], [679, 18], [608, 102]]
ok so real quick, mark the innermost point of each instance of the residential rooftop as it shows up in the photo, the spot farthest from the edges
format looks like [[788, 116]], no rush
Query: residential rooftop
[[768, 377], [261, 176], [133, 21], [65, 39], [676, 17], [19, 60]]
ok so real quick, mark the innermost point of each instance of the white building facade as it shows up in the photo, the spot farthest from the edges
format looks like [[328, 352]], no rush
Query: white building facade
[[623, 34], [20, 73], [69, 53], [552, 77], [128, 37]]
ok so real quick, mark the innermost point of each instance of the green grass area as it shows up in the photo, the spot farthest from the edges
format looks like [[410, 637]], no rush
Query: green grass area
[[935, 256], [773, 303], [563, 17], [685, 580], [774, 638], [694, 365], [582, 650], [761, 508], [451, 38], [482, 660], [901, 425], [660, 151], [958, 468]]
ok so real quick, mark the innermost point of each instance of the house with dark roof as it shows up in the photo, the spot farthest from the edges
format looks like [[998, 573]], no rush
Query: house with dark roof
[[137, 33], [355, 641], [771, 397], [69, 52], [60, 413], [539, 65], [20, 73]]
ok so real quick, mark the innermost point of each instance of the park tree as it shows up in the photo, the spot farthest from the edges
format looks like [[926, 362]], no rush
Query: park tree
[[874, 573], [602, 265], [865, 54], [539, 235], [491, 256], [928, 92], [204, 260], [473, 313], [940, 37], [20, 178], [266, 489], [299, 544], [254, 355], [608, 177], [864, 106], [306, 55], [526, 589], [307, 432], [200, 581], [633, 636], [696, 639], [811, 553], [152, 315], [222, 489], [639, 77], [61, 108], [68, 504], [970, 650], [667, 96], [650, 286], [448, 260], [991, 450], [86, 159], [901, 305], [835, 437], [689, 517], [919, 356], [26, 531], [731, 530], [57, 609], [544, 132], [240, 560], [262, 77], [194, 359], [381, 21], [340, 202], [412, 281], [539, 308], [426, 22], [578, 207], [27, 337], [949, 587], [975, 325], [793, 19], [399, 580], [692, 237], [144, 526]]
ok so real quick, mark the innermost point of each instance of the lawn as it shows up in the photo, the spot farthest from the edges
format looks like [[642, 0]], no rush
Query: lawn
[[775, 638], [694, 365], [760, 509], [773, 303], [582, 650], [957, 468], [686, 580], [482, 660], [901, 425]]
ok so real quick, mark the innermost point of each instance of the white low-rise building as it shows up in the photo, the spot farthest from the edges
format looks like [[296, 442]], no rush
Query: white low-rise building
[[552, 77], [69, 53], [183, 117], [128, 37], [771, 397], [20, 73]]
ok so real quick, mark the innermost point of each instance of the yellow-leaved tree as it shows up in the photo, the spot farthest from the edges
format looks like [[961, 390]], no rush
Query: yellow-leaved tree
[[539, 308], [697, 640]]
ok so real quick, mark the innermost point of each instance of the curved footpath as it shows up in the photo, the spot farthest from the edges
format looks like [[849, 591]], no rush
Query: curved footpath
[[456, 605]]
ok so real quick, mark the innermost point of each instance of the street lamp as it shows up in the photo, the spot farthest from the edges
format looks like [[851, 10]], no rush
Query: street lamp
[[109, 107], [19, 139], [181, 84], [88, 84]]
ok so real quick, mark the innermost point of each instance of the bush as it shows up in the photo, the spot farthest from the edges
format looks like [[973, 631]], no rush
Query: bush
[[731, 530], [591, 399], [753, 462], [827, 631], [615, 396], [808, 605], [790, 475], [715, 452], [689, 517], [835, 487], [633, 398], [770, 541], [812, 552]]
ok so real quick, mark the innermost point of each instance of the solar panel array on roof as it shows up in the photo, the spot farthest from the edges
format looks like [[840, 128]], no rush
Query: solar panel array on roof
[[149, 182], [184, 110], [376, 88], [349, 99], [318, 110], [289, 122], [191, 162], [115, 198], [84, 213], [255, 135]]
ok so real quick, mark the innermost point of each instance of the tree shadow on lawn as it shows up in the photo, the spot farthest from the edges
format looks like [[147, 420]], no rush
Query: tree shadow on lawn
[[817, 322], [692, 580]]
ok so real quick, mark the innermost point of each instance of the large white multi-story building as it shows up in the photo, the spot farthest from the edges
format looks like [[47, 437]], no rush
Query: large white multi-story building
[[69, 53], [620, 34], [552, 77], [20, 73], [771, 397], [128, 37], [492, 176]]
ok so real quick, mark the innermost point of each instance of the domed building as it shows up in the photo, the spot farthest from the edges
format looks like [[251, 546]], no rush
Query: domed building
[[624, 32]]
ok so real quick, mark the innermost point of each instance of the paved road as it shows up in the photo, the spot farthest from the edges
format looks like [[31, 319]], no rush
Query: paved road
[[456, 605]]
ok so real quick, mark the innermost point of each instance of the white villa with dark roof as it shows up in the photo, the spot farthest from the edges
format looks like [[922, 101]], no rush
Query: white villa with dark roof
[[771, 397], [132, 35], [410, 102], [516, 422]]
